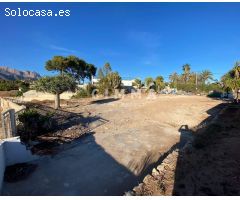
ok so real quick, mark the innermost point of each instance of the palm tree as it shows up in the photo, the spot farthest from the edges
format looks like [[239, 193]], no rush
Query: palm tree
[[186, 71], [206, 75], [138, 83], [148, 81], [173, 79], [236, 71], [232, 79], [159, 81]]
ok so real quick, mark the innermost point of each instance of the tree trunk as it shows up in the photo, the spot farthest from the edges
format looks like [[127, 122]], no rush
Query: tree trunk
[[57, 101]]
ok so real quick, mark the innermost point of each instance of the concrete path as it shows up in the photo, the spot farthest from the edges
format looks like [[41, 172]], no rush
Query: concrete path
[[85, 168]]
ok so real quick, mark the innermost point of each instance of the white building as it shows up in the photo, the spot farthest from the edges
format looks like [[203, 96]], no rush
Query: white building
[[124, 82]]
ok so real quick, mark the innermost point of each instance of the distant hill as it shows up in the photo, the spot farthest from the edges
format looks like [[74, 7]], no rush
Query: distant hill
[[7, 73]]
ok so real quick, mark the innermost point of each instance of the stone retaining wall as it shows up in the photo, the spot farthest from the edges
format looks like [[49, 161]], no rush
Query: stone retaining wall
[[7, 104], [41, 96]]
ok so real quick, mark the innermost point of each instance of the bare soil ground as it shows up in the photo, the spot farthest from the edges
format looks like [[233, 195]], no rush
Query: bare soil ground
[[208, 166], [126, 139]]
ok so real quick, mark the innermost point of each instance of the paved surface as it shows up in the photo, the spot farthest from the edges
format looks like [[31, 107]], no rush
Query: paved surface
[[116, 157]]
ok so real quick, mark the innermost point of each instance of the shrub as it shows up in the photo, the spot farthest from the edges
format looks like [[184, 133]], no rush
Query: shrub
[[19, 94], [33, 124], [90, 88], [8, 85], [110, 82], [81, 93], [24, 87], [215, 94]]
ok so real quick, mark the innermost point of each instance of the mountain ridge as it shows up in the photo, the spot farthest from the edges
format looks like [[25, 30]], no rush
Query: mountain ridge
[[7, 73]]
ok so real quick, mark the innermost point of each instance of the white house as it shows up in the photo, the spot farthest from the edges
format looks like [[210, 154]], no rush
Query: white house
[[124, 82]]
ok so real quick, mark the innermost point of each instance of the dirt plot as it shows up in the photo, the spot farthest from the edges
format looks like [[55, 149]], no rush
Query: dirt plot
[[140, 128], [117, 154], [207, 166]]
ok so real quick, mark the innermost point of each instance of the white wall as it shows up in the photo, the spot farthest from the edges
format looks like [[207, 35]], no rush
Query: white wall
[[16, 152], [41, 96], [127, 82], [12, 151], [2, 163]]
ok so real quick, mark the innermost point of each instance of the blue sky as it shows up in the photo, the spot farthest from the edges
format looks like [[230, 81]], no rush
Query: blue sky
[[138, 39]]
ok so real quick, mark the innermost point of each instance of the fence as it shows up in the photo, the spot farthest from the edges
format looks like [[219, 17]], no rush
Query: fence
[[9, 118]]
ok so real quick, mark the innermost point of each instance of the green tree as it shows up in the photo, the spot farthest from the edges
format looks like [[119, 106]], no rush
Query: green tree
[[137, 83], [149, 81], [76, 68], [80, 69], [107, 69], [206, 75], [186, 72], [114, 80], [91, 71], [100, 73], [173, 79], [110, 82], [57, 63], [72, 65], [56, 85], [232, 80], [159, 81]]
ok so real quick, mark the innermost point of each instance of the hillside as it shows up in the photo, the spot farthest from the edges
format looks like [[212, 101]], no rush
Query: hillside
[[7, 73]]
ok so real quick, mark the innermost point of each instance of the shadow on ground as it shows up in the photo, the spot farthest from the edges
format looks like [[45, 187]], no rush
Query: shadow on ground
[[201, 167], [211, 165], [68, 126], [103, 101], [83, 167]]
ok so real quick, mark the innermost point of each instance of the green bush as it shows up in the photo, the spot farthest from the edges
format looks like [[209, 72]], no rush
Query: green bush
[[109, 83], [8, 85], [215, 94], [33, 124], [24, 87], [81, 93], [19, 94], [90, 88], [85, 92]]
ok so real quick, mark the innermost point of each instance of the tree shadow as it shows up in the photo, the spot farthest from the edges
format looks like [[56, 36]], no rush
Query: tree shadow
[[212, 113], [82, 168], [68, 126], [103, 101]]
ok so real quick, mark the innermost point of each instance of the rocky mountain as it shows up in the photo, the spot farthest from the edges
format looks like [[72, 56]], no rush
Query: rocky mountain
[[7, 73]]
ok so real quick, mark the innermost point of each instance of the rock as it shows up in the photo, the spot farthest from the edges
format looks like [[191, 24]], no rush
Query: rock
[[147, 179], [155, 172], [167, 167], [160, 168]]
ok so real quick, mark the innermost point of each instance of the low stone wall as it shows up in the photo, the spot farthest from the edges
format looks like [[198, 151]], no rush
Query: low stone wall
[[41, 96], [160, 181], [12, 151], [9, 112], [7, 104]]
